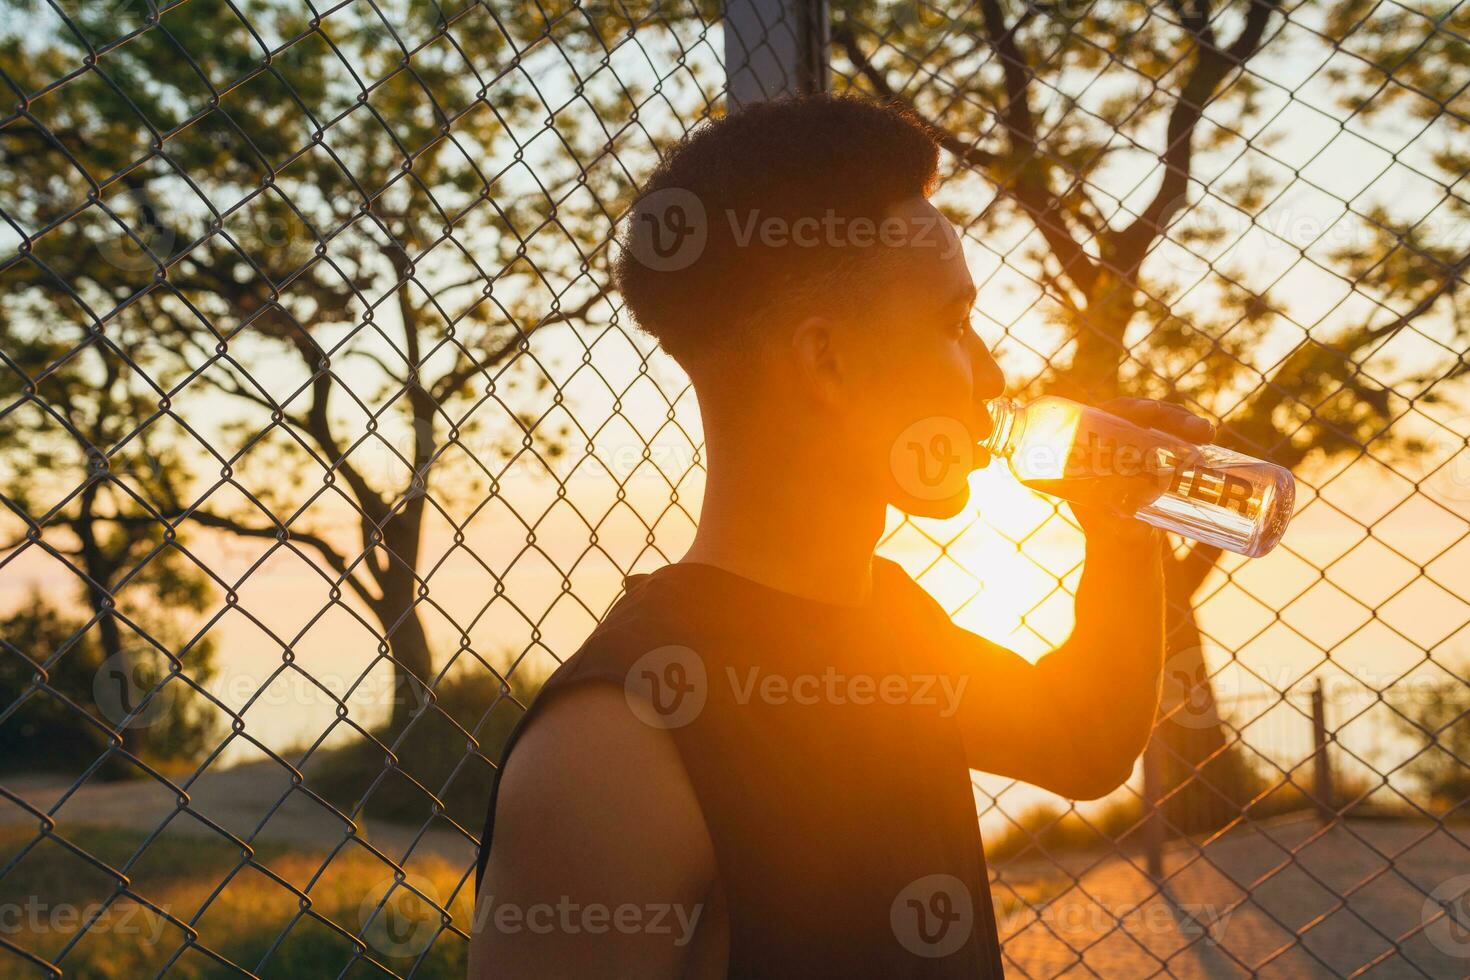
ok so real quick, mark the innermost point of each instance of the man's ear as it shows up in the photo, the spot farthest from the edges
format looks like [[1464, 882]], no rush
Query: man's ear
[[819, 360]]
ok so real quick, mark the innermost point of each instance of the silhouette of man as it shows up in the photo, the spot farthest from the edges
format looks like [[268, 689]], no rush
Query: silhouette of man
[[758, 765]]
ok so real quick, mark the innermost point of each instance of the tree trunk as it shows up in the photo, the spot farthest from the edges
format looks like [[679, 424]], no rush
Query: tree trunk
[[101, 569], [408, 645], [1205, 781]]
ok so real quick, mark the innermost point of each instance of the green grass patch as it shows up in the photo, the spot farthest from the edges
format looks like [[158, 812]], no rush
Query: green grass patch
[[282, 913]]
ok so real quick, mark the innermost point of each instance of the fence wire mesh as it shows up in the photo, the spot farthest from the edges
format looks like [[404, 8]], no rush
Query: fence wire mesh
[[1257, 208], [326, 439]]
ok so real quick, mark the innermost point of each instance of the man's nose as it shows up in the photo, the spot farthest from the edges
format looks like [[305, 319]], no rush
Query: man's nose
[[990, 381]]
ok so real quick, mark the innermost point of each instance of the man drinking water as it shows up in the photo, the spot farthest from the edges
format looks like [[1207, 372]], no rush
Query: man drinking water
[[758, 764]]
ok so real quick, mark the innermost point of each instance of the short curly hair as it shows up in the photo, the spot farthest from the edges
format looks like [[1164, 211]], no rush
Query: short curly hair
[[793, 158]]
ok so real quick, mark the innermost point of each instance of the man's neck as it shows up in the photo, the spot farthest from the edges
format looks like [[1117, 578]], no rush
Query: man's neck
[[773, 521]]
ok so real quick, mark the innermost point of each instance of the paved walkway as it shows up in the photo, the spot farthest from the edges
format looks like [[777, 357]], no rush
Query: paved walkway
[[1262, 902]]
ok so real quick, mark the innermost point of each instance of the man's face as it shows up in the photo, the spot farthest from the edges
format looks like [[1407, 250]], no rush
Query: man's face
[[923, 374]]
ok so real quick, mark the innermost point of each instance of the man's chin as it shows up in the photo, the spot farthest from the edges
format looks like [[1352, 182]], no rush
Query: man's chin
[[935, 508]]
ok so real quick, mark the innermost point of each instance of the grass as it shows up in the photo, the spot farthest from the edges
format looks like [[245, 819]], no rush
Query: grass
[[243, 911], [283, 911]]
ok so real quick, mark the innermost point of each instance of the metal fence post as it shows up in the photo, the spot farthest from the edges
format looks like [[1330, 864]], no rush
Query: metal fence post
[[775, 48], [1153, 832], [1321, 767]]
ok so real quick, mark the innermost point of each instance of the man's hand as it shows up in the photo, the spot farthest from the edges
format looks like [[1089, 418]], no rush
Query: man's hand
[[1135, 490]]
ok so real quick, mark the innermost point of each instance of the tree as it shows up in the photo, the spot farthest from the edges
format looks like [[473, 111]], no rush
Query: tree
[[343, 230], [87, 700], [1095, 124], [79, 469], [1438, 722]]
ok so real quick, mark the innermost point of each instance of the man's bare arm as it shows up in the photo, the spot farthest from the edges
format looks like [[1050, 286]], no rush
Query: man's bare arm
[[601, 863], [1075, 721]]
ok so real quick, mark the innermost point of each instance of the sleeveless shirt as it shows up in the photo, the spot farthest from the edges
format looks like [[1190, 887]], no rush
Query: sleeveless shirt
[[822, 748]]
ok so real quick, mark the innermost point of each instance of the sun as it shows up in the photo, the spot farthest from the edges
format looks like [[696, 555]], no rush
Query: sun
[[1005, 567]]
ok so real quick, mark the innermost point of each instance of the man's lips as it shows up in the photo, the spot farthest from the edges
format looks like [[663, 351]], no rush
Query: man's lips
[[984, 427]]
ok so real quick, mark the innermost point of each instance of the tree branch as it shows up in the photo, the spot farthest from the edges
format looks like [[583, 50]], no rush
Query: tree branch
[[1021, 178], [334, 559], [1128, 247], [451, 382]]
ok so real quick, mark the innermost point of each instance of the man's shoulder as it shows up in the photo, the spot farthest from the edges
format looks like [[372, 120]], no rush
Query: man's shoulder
[[579, 724], [647, 616]]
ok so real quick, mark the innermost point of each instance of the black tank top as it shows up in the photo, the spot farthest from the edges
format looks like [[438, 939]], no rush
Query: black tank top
[[820, 742]]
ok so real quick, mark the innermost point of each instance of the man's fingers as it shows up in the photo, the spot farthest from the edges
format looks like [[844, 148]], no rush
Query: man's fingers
[[1164, 416], [1139, 491], [1189, 426]]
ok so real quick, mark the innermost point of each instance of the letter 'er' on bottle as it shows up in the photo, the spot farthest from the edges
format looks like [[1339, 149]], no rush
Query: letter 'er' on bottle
[[1207, 493]]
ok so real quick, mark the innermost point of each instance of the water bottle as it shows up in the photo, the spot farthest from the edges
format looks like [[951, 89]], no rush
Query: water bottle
[[1207, 493]]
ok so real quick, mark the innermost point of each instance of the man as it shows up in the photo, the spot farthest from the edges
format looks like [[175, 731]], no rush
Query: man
[[758, 764]]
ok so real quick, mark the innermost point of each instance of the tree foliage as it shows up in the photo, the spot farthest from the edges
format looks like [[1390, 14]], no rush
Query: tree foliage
[[1127, 160]]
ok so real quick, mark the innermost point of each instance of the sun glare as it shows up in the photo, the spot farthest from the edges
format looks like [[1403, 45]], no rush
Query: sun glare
[[1001, 566]]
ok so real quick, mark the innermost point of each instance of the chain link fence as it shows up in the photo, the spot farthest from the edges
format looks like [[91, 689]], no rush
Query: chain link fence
[[1258, 209], [325, 440]]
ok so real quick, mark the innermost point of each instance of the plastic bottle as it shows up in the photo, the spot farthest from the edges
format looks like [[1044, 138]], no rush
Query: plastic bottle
[[1207, 493]]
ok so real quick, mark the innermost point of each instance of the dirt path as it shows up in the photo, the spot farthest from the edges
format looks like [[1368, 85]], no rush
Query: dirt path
[[254, 801]]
